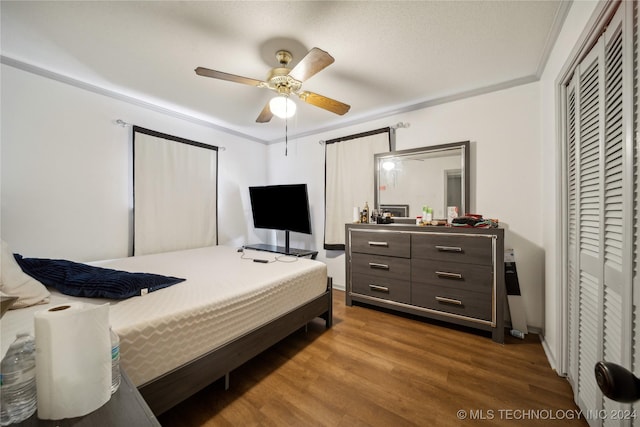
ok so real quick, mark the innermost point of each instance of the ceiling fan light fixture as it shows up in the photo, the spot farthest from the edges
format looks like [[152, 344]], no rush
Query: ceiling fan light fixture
[[286, 81], [282, 106]]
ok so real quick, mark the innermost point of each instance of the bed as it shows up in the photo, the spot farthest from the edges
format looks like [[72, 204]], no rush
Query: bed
[[177, 340]]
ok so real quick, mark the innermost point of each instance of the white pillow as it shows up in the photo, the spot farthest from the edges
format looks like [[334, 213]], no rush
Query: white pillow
[[15, 282]]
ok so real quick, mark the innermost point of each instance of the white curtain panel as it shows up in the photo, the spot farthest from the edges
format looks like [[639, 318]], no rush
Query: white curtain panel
[[175, 195], [349, 182]]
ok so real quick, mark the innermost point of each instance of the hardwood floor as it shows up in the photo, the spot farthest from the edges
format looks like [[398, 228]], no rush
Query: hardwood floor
[[379, 369]]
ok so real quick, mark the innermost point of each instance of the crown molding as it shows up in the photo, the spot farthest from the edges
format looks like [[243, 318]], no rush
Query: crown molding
[[121, 97], [192, 119]]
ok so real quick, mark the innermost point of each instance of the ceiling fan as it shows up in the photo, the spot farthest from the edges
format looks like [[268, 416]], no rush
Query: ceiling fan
[[286, 81]]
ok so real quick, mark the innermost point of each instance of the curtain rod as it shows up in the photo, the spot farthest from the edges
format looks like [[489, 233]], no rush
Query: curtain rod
[[399, 125], [124, 124]]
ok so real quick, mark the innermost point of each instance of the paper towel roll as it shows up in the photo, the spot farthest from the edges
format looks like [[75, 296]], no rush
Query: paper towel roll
[[73, 360]]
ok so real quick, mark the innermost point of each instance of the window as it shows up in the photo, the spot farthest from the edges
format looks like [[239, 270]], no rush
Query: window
[[174, 192], [349, 179]]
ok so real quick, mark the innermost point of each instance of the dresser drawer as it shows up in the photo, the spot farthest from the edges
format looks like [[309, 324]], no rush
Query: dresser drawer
[[452, 300], [453, 247], [385, 288], [381, 243], [474, 277], [381, 266]]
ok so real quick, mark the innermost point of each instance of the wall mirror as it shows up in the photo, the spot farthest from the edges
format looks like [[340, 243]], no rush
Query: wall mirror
[[435, 176]]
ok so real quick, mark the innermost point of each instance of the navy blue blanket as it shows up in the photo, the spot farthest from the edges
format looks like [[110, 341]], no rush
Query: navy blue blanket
[[82, 280]]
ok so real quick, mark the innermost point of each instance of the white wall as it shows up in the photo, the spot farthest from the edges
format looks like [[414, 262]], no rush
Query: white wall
[[66, 169], [574, 24], [506, 162]]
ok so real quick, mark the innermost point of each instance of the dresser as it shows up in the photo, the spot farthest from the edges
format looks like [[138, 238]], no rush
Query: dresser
[[451, 274]]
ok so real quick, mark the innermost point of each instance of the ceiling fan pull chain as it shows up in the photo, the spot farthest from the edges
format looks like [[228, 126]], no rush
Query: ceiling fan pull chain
[[286, 129]]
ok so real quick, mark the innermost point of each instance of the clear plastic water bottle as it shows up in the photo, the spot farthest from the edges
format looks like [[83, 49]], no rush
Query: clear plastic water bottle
[[115, 361], [18, 381]]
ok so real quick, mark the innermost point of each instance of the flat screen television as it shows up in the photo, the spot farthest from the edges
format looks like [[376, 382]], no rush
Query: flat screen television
[[281, 207]]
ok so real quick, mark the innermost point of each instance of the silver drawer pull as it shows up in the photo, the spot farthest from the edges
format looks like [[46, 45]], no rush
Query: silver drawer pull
[[378, 266], [449, 275], [379, 288], [381, 244], [449, 300], [448, 248]]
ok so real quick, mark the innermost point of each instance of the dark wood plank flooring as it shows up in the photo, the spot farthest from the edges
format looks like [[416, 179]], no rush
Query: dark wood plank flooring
[[375, 368]]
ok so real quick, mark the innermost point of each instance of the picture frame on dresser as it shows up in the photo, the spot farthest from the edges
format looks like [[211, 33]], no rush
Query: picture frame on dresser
[[398, 210]]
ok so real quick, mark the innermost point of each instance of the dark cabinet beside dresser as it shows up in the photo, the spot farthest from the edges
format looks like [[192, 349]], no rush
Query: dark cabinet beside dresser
[[446, 273]]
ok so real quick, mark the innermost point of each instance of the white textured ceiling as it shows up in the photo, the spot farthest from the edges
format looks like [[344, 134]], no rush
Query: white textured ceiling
[[390, 56]]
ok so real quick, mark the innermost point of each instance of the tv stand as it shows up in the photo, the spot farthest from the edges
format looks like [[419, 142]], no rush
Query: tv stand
[[283, 250]]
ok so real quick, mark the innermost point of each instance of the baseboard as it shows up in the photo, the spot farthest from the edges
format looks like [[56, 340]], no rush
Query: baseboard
[[545, 347], [550, 357]]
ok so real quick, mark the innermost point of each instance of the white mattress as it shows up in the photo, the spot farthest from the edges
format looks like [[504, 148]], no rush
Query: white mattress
[[223, 297]]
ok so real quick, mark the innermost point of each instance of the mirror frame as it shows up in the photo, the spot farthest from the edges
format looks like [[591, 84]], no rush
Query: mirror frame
[[465, 156]]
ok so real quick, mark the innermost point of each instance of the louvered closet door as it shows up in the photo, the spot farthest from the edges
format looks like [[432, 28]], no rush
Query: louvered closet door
[[588, 272], [616, 246], [636, 208], [572, 237], [599, 221]]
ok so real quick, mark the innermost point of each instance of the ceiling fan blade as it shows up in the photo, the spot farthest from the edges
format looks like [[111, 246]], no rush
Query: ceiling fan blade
[[324, 102], [313, 62], [206, 72], [265, 115]]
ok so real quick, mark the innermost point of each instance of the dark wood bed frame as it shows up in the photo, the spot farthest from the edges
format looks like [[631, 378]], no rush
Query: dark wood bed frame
[[177, 385]]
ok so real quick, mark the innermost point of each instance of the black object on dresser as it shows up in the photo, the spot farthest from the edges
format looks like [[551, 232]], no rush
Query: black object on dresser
[[453, 274]]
